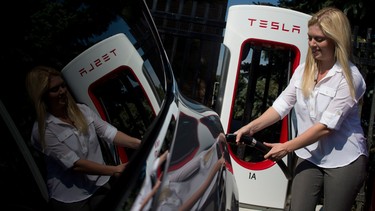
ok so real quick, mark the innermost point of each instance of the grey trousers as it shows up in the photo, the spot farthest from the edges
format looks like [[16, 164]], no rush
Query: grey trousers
[[339, 186]]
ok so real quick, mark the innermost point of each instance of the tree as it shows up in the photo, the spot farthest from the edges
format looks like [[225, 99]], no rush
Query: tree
[[359, 12]]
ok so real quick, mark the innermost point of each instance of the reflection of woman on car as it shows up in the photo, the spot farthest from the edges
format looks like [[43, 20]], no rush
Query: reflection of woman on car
[[67, 134]]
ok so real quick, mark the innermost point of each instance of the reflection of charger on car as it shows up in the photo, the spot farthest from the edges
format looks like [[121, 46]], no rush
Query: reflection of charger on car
[[128, 90], [177, 194], [187, 181], [151, 184]]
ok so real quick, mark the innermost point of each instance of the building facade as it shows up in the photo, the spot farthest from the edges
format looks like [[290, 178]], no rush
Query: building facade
[[192, 33]]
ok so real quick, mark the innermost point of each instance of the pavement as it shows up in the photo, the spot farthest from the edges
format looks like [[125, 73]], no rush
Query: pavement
[[318, 208]]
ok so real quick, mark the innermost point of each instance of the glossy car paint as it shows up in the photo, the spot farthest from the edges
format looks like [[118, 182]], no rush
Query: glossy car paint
[[184, 161], [113, 60]]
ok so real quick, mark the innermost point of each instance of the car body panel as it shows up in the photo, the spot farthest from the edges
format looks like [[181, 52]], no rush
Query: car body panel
[[185, 162], [113, 60]]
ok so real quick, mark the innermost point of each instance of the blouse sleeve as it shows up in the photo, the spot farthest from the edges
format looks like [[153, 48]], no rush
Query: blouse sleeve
[[342, 103], [103, 129]]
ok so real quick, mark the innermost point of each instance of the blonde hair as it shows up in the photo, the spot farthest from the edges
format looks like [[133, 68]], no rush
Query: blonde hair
[[37, 84], [334, 25]]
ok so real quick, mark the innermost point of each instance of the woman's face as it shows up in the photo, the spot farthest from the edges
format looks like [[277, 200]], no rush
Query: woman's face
[[322, 48], [56, 93]]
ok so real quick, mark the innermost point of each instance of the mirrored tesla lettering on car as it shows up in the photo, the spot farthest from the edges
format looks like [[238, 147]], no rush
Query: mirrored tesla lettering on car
[[97, 62]]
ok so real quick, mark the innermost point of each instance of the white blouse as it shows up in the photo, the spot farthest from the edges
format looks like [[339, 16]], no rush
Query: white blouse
[[331, 104], [64, 146]]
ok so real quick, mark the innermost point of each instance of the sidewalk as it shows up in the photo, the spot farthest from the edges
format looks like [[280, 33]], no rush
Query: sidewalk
[[318, 208]]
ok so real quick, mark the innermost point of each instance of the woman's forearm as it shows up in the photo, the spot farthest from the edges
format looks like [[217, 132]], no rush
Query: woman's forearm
[[124, 140], [93, 168]]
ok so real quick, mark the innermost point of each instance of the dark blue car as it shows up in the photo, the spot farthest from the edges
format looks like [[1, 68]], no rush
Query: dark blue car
[[113, 60]]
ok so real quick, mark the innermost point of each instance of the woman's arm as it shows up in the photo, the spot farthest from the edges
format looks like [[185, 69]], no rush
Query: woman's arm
[[93, 168], [310, 136], [124, 140]]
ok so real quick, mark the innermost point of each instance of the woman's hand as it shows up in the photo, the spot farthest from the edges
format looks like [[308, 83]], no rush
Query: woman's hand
[[245, 130], [277, 152], [119, 169]]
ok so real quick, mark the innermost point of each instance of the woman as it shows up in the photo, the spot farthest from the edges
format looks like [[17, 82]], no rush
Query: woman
[[325, 92], [67, 134]]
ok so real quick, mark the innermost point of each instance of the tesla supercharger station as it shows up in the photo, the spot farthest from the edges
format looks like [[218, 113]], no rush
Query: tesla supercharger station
[[264, 45], [102, 75], [101, 62]]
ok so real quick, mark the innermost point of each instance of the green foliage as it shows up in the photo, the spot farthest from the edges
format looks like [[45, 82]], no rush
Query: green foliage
[[359, 12]]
